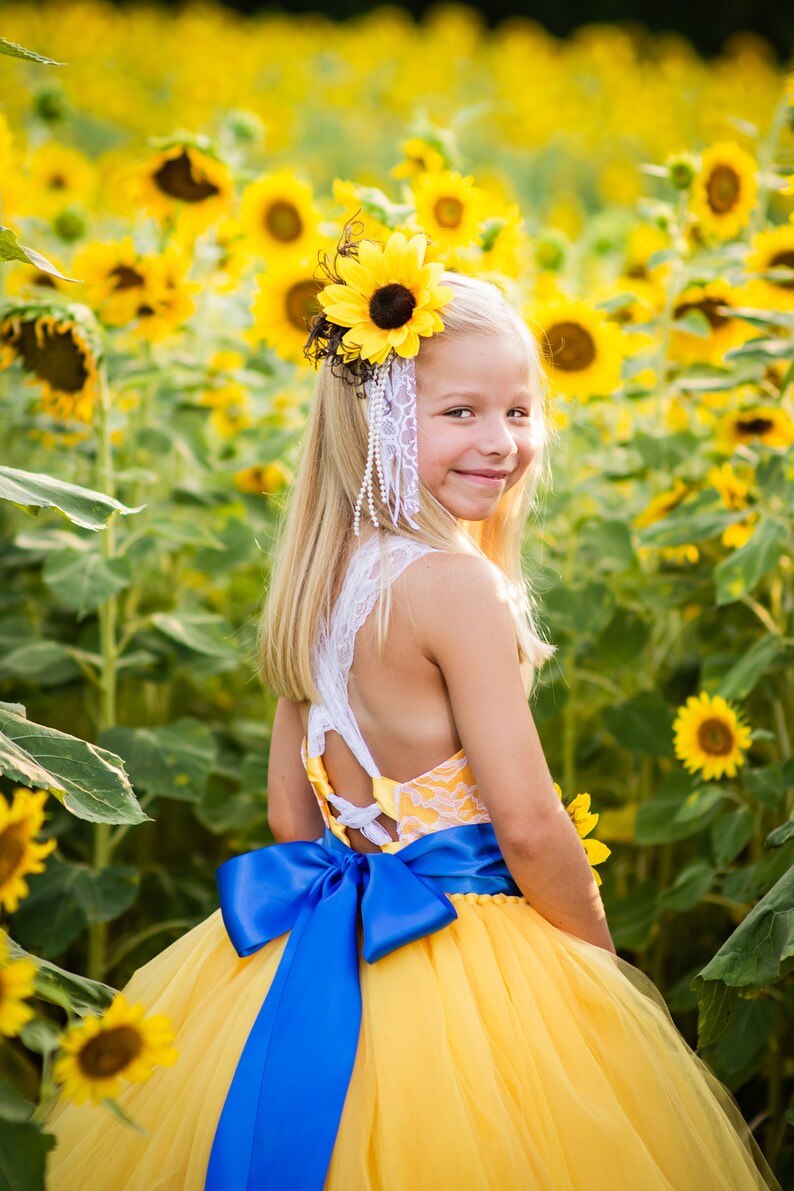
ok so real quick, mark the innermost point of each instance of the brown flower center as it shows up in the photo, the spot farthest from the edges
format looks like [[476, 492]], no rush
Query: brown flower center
[[723, 189], [283, 221], [12, 850], [448, 211], [125, 277], [109, 1052], [55, 356], [176, 178], [570, 346], [754, 427], [715, 738], [706, 306], [56, 182], [301, 303], [391, 306], [785, 259]]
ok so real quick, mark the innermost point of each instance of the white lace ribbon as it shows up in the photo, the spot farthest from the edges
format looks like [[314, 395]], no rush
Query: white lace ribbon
[[392, 446]]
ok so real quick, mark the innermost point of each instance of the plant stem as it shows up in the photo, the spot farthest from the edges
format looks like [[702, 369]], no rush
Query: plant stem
[[766, 156]]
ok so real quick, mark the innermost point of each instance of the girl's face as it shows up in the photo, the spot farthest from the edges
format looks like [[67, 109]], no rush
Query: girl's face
[[474, 414]]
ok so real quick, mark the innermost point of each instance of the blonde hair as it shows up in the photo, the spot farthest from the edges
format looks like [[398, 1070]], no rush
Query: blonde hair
[[316, 536]]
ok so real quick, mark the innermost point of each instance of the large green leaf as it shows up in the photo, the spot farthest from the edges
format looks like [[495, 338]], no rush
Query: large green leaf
[[684, 526], [12, 250], [173, 761], [84, 579], [643, 724], [23, 1156], [66, 898], [75, 994], [45, 663], [83, 506], [742, 677], [716, 1009], [200, 632], [730, 834], [691, 884], [89, 780], [761, 945], [741, 571]]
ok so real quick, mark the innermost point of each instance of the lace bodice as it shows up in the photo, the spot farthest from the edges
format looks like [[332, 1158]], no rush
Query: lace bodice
[[445, 796]]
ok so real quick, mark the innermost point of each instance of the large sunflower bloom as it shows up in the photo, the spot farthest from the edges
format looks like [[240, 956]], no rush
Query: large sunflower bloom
[[59, 348], [724, 191], [584, 821], [101, 1051], [709, 737], [714, 300], [184, 183], [279, 217], [449, 208], [389, 298], [286, 301], [16, 984], [20, 822], [767, 424], [583, 349], [772, 249]]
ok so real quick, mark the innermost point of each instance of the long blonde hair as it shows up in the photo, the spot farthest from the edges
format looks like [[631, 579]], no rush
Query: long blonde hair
[[316, 535]]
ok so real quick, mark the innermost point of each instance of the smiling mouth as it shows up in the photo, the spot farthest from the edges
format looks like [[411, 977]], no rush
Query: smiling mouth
[[489, 477]]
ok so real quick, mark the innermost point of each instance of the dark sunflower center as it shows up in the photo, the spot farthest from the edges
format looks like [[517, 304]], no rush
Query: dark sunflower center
[[125, 277], [708, 307], [754, 427], [145, 310], [391, 306], [448, 211], [12, 850], [715, 738], [109, 1052], [283, 221], [56, 182], [723, 189], [300, 303], [785, 259], [175, 178], [44, 280], [54, 356], [570, 346]]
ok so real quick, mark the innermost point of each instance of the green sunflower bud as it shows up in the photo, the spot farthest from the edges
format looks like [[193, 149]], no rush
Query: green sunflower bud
[[51, 103], [551, 250], [70, 224], [681, 171]]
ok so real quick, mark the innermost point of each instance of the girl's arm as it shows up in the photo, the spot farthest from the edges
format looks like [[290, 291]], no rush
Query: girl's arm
[[292, 810], [466, 628]]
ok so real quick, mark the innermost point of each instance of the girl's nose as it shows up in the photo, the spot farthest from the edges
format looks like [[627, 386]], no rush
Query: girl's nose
[[497, 439]]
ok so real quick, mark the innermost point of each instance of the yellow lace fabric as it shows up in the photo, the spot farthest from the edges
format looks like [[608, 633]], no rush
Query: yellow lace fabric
[[445, 796]]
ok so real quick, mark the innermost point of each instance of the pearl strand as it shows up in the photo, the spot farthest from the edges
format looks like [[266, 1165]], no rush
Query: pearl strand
[[375, 412]]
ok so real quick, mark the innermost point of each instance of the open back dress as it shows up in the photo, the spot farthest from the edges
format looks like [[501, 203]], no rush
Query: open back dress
[[402, 1020]]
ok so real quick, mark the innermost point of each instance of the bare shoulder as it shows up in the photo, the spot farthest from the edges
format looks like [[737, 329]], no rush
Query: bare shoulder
[[451, 595]]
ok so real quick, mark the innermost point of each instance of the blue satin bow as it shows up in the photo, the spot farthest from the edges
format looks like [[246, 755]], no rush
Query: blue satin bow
[[280, 1119]]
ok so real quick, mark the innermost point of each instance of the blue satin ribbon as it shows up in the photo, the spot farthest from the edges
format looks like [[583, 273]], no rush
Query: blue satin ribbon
[[280, 1119]]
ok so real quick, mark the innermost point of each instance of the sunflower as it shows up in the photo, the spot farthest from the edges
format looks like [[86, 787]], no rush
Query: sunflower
[[279, 217], [419, 157], [663, 504], [185, 184], [267, 478], [60, 176], [583, 349], [165, 303], [16, 984], [584, 821], [767, 424], [724, 191], [229, 400], [23, 278], [286, 301], [101, 1051], [710, 737], [449, 208], [734, 494], [20, 821], [389, 298], [114, 277], [59, 348], [714, 301], [771, 250]]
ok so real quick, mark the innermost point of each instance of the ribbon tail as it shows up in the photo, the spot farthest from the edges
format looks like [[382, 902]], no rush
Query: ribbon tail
[[282, 1113]]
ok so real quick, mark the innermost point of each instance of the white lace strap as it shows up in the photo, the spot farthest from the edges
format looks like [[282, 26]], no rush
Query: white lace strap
[[361, 817], [336, 644]]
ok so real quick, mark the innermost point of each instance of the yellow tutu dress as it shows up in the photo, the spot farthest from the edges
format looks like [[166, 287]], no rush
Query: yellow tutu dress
[[495, 1052]]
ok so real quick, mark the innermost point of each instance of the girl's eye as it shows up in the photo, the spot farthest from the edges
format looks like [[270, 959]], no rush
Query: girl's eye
[[518, 410], [453, 413]]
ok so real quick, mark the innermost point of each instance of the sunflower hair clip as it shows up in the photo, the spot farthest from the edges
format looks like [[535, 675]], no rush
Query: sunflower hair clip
[[379, 301]]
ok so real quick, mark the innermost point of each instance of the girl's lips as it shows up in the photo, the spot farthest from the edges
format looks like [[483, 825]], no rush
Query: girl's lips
[[479, 478]]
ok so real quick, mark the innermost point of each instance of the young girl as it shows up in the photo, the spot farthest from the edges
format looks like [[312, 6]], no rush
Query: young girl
[[415, 989]]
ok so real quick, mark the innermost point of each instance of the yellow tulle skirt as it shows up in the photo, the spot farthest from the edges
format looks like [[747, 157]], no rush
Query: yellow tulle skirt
[[499, 1054]]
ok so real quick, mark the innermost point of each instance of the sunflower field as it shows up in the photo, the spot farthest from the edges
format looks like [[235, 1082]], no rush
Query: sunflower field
[[167, 182]]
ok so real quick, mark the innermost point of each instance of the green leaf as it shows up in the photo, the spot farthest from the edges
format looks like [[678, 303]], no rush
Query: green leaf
[[691, 884], [716, 1009], [665, 452], [694, 322], [753, 955], [624, 638], [780, 835], [75, 994], [13, 1105], [730, 834], [643, 724], [12, 250], [83, 580], [741, 571], [173, 761], [83, 506], [684, 526], [748, 1035], [18, 51], [607, 543], [632, 918], [41, 1036], [46, 663], [66, 898], [90, 781], [761, 349], [201, 632], [742, 677], [700, 802], [23, 1156]]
